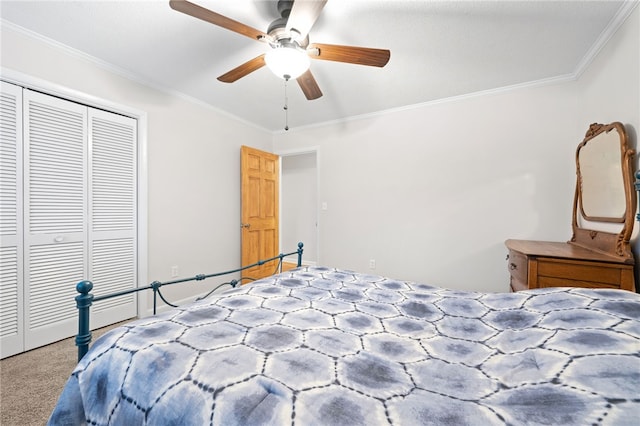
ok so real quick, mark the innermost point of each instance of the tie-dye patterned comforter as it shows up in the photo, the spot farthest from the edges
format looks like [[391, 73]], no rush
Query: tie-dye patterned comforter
[[322, 346]]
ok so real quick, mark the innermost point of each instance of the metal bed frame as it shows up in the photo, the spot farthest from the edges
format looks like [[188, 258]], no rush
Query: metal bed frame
[[85, 299]]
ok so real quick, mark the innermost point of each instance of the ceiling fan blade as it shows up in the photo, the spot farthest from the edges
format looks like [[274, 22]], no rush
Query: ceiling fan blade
[[309, 86], [350, 54], [304, 14], [214, 18], [243, 70]]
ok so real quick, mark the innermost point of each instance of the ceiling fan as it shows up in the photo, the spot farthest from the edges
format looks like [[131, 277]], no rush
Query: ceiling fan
[[288, 38]]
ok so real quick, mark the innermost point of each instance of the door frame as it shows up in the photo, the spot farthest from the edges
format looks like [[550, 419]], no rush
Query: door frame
[[38, 84], [290, 153]]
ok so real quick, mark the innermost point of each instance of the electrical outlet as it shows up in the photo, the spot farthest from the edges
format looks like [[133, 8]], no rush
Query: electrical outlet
[[372, 264], [174, 272]]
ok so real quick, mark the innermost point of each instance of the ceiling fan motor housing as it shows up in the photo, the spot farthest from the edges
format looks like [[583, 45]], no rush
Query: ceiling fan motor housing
[[284, 8], [277, 28], [278, 24]]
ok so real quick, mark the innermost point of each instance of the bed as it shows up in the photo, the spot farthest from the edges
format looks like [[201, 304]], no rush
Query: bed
[[327, 346]]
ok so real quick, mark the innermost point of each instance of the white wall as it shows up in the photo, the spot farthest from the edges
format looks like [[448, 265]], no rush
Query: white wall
[[193, 158], [432, 192]]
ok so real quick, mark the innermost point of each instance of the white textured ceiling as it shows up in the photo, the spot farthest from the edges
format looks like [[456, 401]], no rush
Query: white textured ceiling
[[439, 49]]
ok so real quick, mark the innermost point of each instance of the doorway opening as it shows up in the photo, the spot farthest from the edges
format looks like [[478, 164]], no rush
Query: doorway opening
[[299, 204]]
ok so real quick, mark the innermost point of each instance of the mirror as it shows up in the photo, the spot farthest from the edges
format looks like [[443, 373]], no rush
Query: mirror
[[604, 189], [601, 185]]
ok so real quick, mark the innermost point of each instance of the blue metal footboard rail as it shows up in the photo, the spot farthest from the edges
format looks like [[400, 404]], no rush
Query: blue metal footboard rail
[[85, 299]]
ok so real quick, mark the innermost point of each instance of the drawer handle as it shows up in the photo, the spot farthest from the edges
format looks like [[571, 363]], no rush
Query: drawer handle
[[513, 266]]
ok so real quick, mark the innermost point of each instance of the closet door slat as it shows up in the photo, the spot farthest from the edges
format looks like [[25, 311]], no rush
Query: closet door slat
[[113, 216], [113, 172], [56, 208], [11, 232], [56, 167]]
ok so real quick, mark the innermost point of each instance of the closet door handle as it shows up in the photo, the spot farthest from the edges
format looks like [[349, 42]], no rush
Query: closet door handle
[[58, 239], [245, 225]]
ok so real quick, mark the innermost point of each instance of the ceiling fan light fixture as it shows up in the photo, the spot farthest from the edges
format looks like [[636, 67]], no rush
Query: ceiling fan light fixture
[[287, 60]]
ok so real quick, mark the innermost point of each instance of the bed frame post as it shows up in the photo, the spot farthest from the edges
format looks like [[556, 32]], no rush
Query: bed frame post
[[300, 245], [83, 303]]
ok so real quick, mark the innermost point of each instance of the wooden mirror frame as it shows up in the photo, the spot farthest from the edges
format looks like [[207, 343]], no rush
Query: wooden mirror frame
[[614, 244]]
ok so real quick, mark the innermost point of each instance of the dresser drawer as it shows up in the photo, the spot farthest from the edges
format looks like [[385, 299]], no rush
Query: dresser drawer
[[544, 282], [537, 264], [517, 266], [579, 271], [554, 272]]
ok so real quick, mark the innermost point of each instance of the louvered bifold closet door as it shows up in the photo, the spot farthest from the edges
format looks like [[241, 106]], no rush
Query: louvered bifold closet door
[[11, 290], [55, 193], [112, 200]]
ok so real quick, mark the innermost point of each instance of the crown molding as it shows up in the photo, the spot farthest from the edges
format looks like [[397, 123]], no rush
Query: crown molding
[[612, 27]]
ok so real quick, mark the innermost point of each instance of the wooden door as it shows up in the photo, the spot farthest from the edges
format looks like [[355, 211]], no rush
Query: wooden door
[[259, 211]]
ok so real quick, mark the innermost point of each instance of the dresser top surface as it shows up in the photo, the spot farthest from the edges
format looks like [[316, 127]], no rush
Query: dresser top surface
[[561, 250]]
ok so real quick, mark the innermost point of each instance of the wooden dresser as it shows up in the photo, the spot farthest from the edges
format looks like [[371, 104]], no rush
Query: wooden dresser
[[537, 264], [604, 195]]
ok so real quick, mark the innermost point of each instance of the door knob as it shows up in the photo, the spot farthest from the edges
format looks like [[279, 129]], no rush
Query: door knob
[[245, 225]]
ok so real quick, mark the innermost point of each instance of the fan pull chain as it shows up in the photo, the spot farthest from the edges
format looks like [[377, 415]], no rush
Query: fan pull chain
[[286, 103]]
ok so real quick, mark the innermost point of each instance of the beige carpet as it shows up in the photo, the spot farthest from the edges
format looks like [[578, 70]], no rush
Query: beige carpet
[[31, 382]]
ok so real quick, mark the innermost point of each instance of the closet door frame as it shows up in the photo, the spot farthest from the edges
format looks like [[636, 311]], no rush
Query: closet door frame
[[37, 84]]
